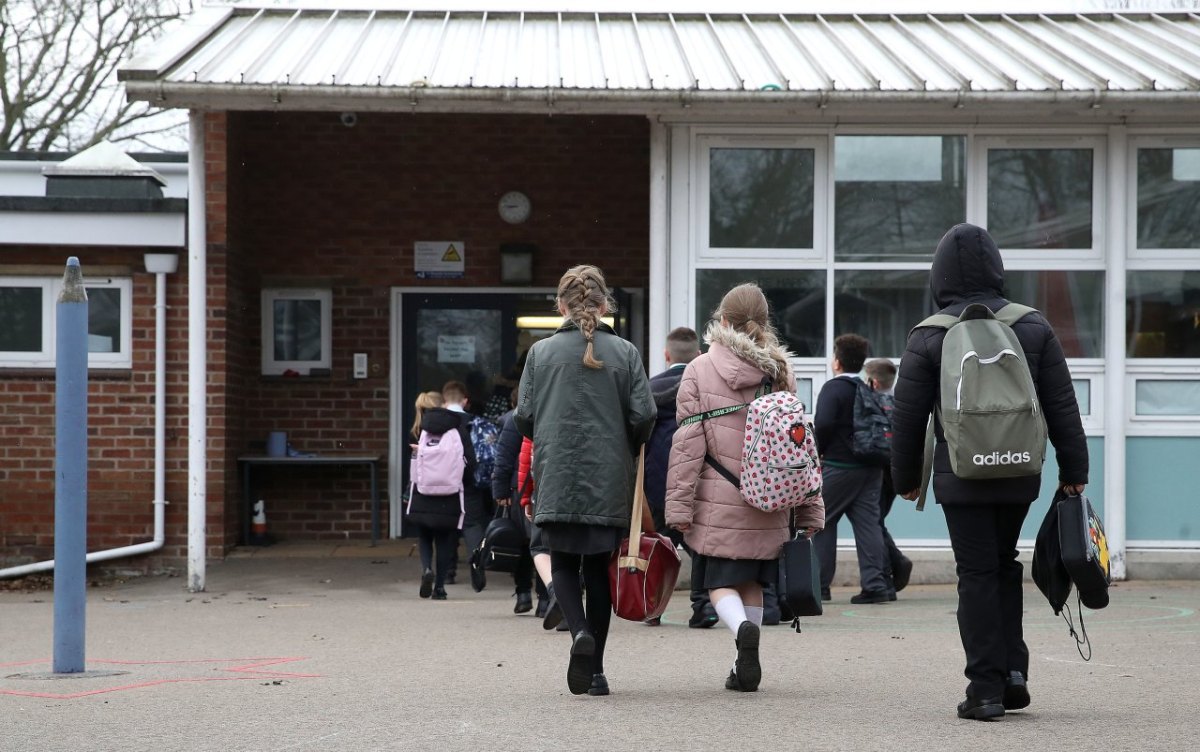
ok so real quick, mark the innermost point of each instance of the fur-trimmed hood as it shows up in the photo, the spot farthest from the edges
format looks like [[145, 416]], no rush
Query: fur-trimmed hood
[[740, 361]]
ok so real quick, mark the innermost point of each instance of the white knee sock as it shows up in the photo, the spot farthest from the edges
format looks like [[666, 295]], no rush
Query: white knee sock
[[755, 614], [731, 611]]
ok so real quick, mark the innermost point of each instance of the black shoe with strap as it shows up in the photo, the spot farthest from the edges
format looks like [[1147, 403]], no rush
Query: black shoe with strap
[[524, 603]]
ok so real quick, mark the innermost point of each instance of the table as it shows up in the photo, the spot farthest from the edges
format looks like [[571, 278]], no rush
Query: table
[[248, 462]]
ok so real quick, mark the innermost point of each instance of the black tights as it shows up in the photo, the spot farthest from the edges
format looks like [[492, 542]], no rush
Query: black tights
[[446, 542], [565, 569]]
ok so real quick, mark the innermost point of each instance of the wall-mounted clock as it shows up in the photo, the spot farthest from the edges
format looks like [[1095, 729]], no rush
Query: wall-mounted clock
[[515, 207]]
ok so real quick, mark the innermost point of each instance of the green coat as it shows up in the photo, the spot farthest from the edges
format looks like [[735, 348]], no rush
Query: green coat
[[586, 425]]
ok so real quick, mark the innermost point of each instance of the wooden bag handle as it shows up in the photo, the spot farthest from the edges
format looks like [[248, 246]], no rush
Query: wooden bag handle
[[633, 561]]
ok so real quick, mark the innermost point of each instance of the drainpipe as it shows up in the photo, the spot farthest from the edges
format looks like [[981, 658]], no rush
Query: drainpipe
[[1114, 351], [160, 264], [659, 286]]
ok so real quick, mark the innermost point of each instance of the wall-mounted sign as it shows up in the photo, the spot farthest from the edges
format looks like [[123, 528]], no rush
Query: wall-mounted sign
[[439, 259], [456, 348]]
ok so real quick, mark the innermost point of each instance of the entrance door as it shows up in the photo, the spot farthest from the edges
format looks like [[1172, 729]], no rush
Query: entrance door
[[476, 337]]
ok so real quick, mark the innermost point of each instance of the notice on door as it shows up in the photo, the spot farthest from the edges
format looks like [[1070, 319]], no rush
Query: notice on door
[[439, 259], [456, 348]]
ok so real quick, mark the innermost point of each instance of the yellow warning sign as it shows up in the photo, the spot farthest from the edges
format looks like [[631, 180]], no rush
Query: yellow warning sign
[[451, 254]]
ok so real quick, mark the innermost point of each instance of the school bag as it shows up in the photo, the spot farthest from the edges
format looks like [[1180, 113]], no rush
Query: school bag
[[437, 469], [871, 438], [780, 467], [484, 435], [988, 404]]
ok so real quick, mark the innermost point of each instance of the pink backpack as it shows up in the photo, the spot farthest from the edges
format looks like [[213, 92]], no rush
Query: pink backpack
[[780, 466], [437, 468]]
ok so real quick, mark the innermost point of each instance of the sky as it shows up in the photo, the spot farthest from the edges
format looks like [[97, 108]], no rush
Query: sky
[[750, 6]]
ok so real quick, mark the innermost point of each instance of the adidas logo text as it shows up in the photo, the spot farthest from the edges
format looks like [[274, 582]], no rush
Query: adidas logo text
[[998, 458]]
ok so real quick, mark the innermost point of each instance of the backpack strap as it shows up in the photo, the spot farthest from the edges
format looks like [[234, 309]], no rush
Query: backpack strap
[[1013, 312], [926, 466], [938, 321], [722, 470], [718, 412]]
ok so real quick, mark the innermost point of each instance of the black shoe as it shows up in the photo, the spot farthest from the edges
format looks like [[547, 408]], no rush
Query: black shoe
[[542, 604], [891, 594], [1016, 693], [554, 614], [439, 594], [452, 578], [563, 626], [703, 619], [825, 595], [599, 686], [524, 603], [901, 573], [579, 668], [867, 596], [746, 666], [731, 681], [981, 709], [426, 583]]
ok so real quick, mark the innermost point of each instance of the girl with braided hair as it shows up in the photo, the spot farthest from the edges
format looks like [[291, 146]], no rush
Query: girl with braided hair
[[585, 401]]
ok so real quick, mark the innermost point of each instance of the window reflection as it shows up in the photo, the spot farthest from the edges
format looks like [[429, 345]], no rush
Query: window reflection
[[760, 198], [21, 312], [1168, 198], [1073, 303], [104, 319], [895, 196], [797, 301], [1040, 198], [297, 330], [882, 306], [1162, 314]]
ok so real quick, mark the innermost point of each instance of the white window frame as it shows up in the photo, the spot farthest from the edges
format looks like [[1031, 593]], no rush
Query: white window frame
[[1158, 369], [977, 187], [1091, 370], [705, 142], [273, 367], [47, 357], [1168, 258]]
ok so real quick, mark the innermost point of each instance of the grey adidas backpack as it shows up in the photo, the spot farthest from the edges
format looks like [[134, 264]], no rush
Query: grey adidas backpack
[[988, 408]]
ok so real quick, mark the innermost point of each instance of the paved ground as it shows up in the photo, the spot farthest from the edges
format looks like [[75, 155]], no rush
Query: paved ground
[[338, 653]]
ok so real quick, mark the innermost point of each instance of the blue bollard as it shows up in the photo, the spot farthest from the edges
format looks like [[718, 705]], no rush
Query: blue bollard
[[70, 473]]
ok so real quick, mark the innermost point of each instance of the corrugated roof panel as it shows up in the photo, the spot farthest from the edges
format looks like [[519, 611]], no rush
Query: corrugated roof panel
[[459, 47], [683, 52], [669, 69]]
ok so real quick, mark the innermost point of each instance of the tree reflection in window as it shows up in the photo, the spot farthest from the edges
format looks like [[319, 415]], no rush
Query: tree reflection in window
[[760, 198], [1040, 198], [1168, 198]]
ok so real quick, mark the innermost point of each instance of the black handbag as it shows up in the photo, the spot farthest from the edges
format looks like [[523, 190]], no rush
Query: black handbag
[[799, 585], [1084, 549], [504, 543]]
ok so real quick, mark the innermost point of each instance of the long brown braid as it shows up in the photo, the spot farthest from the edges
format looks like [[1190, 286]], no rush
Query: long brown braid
[[583, 294], [746, 310]]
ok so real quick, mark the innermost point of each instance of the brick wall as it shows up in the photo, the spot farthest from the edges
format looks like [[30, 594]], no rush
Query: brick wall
[[120, 427], [314, 201]]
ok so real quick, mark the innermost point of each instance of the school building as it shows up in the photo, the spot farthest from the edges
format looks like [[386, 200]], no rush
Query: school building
[[383, 199]]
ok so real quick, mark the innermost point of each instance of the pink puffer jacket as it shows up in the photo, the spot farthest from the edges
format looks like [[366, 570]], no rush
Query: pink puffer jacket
[[721, 523]]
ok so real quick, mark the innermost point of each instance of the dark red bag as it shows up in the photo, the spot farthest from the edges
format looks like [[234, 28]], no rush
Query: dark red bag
[[641, 584]]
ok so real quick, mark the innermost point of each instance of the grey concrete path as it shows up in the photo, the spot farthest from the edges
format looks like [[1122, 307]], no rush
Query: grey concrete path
[[337, 652]]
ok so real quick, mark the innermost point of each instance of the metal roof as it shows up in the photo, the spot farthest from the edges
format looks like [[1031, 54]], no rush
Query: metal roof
[[634, 56]]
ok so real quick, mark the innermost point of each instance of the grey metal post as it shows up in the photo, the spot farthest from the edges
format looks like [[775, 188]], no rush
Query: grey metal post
[[70, 473]]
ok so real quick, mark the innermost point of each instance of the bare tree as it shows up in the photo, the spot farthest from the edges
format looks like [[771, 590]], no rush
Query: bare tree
[[58, 62]]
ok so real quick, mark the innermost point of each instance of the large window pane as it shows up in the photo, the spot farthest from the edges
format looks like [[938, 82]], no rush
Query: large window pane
[[21, 314], [104, 319], [797, 301], [882, 306], [895, 196], [1168, 186], [760, 198], [1073, 303], [297, 330], [1040, 198], [1162, 314]]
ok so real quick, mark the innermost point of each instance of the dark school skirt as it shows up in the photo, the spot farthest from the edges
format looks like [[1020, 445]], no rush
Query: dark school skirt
[[580, 538], [710, 572]]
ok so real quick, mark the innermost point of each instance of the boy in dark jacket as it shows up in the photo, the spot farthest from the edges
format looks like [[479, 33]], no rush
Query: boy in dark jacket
[[683, 346], [984, 518], [881, 377], [850, 487]]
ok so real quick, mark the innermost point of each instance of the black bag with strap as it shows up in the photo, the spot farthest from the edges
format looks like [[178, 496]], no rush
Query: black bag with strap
[[504, 543], [799, 585]]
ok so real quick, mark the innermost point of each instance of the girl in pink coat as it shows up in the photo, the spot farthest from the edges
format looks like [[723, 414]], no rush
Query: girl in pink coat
[[736, 546]]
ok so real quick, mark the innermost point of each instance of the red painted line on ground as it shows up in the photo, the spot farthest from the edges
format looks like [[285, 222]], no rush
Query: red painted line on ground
[[252, 666]]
